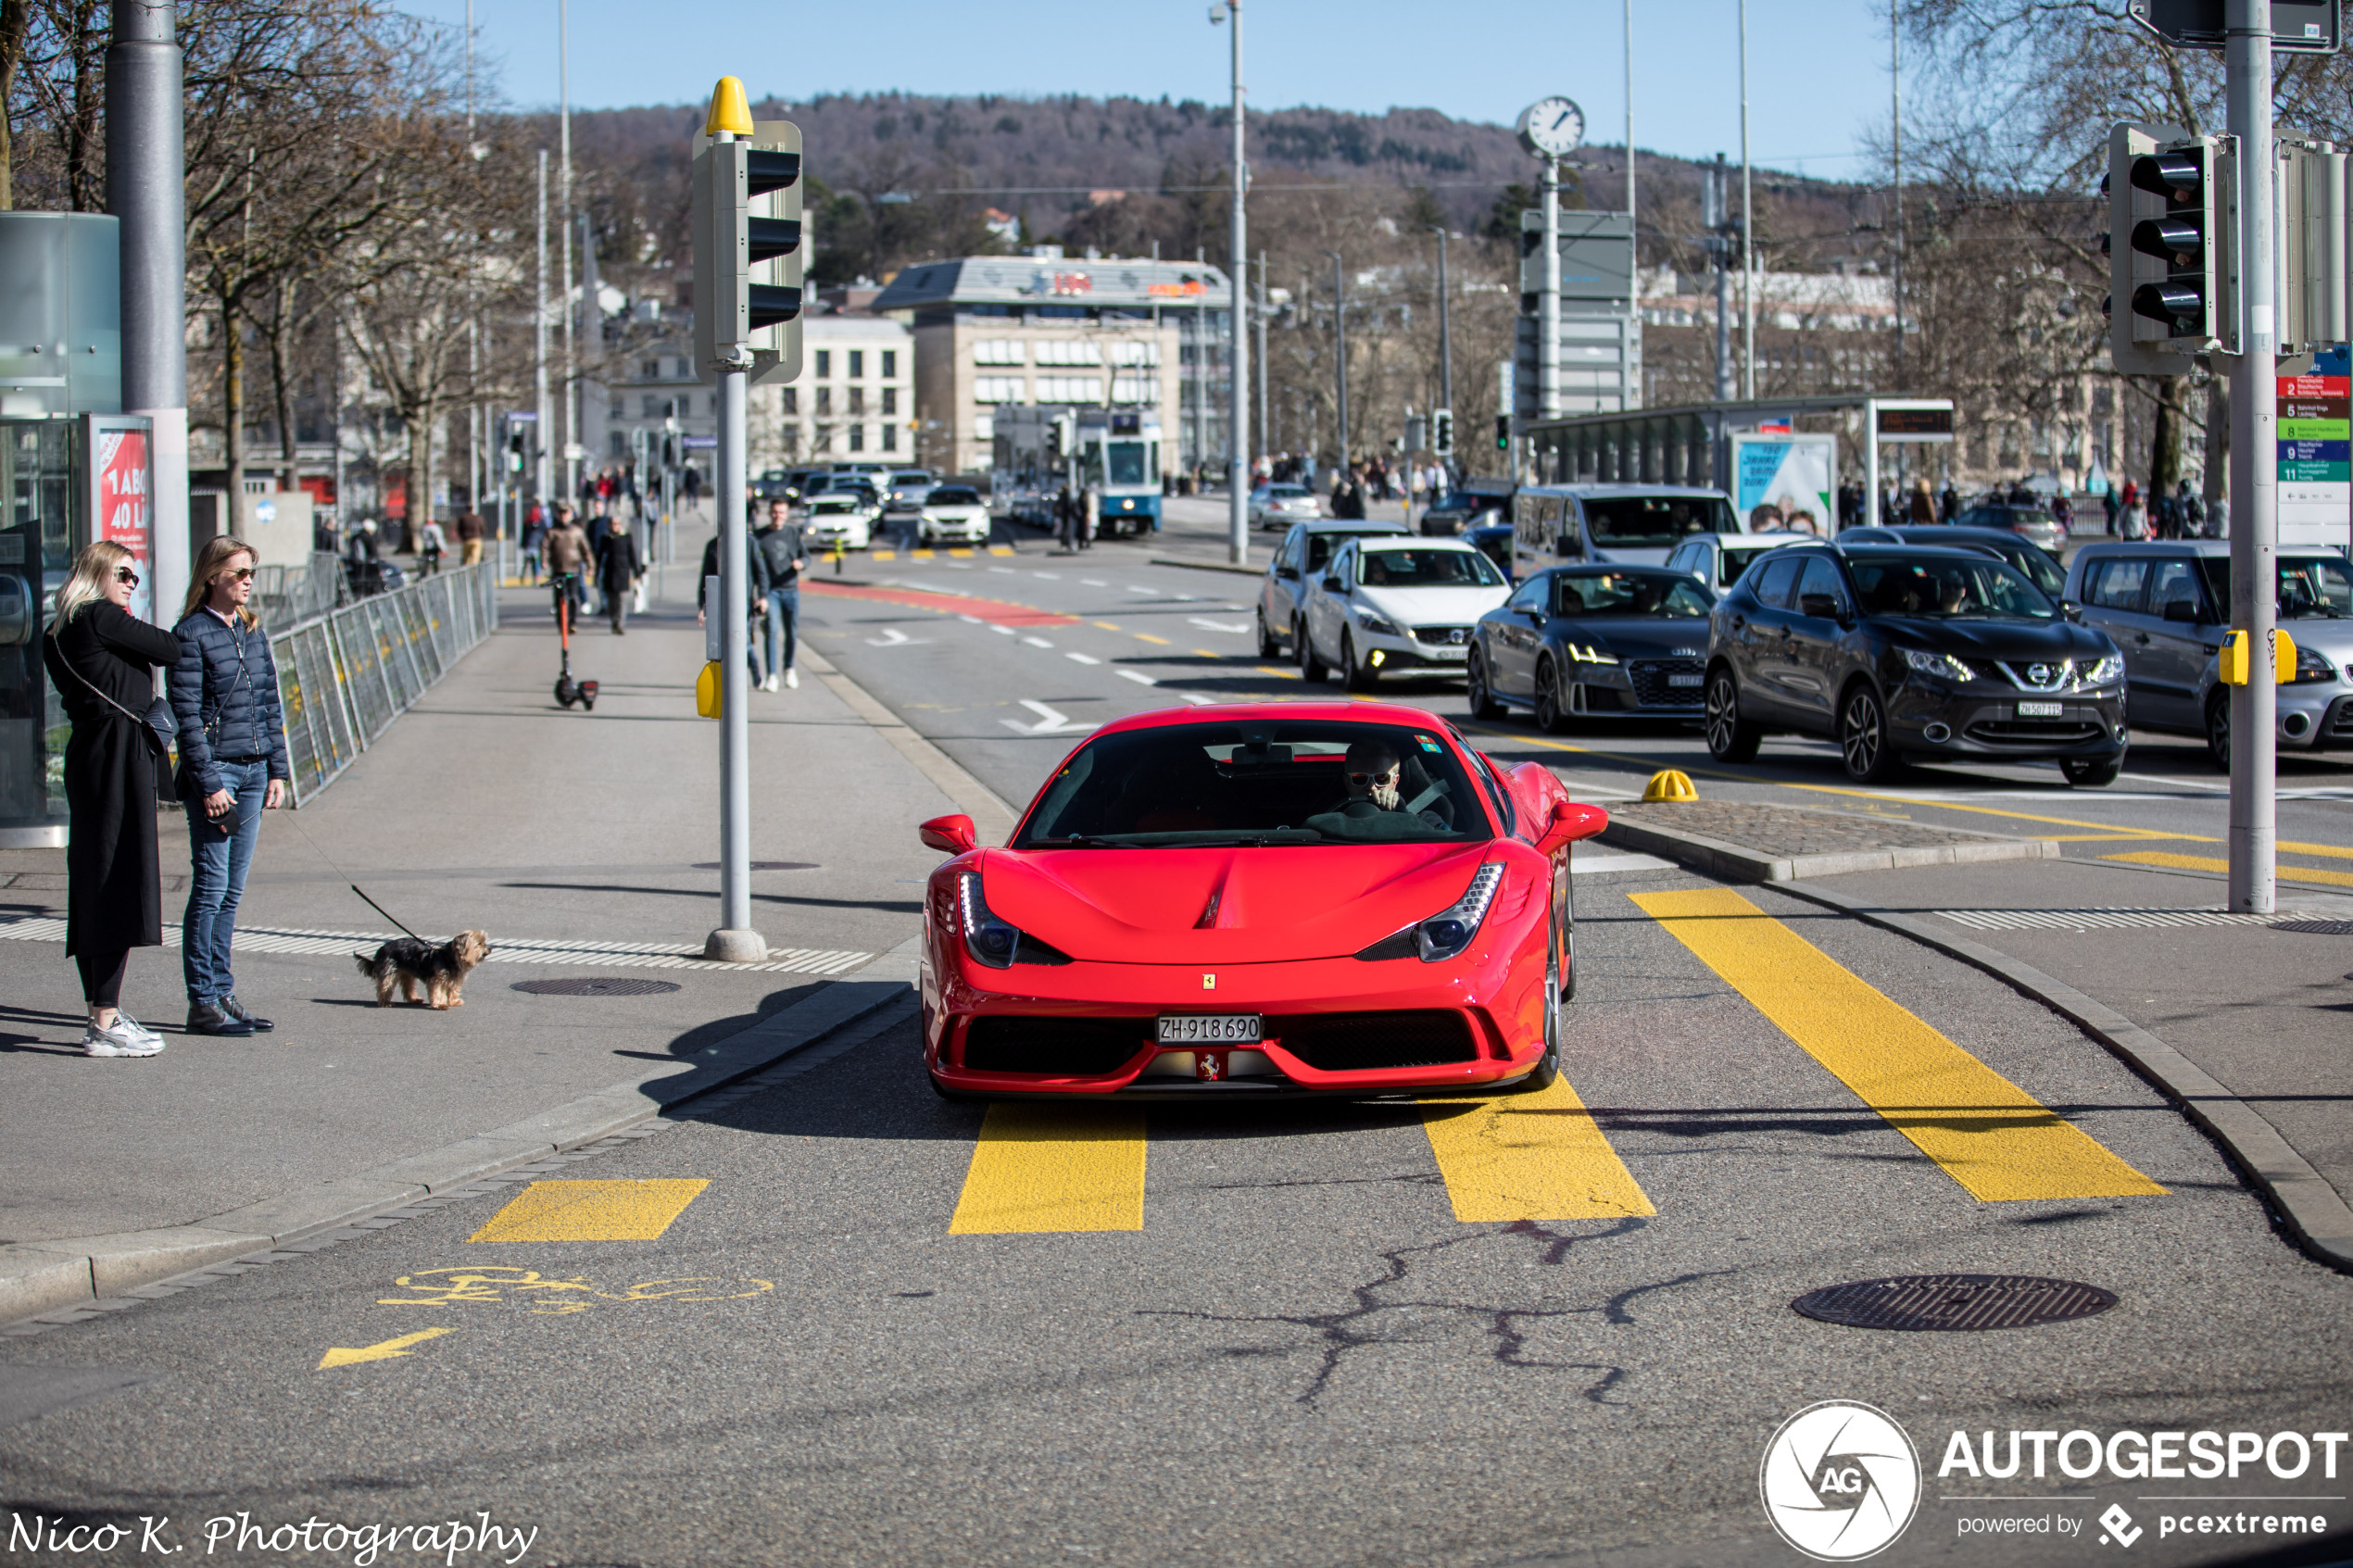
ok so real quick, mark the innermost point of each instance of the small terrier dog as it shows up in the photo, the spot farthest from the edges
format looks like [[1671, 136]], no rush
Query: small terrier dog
[[407, 963]]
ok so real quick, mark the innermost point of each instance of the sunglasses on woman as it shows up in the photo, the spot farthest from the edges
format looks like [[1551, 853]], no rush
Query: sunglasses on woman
[[242, 574], [124, 574]]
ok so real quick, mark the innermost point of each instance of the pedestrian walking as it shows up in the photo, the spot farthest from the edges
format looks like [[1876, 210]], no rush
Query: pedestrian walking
[[534, 534], [431, 545], [101, 659], [755, 596], [469, 537], [2110, 505], [233, 767], [783, 552], [618, 569]]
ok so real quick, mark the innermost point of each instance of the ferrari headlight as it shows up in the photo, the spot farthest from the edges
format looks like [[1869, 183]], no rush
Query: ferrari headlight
[[1941, 665], [1590, 653], [988, 939], [1447, 932], [2104, 670], [1372, 622]]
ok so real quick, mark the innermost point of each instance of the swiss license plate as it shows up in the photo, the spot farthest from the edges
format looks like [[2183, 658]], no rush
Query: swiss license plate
[[1682, 680], [2040, 710], [1210, 1028]]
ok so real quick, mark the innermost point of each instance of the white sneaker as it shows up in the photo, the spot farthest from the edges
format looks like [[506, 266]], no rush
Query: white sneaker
[[138, 1028], [769, 684], [115, 1039], [792, 678]]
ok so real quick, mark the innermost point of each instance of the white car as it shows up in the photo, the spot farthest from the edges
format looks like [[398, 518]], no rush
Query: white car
[[1397, 606], [837, 517], [1717, 559], [952, 514], [1279, 506]]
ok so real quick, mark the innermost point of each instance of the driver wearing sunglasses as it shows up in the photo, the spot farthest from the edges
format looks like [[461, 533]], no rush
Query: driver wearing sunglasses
[[1372, 772]]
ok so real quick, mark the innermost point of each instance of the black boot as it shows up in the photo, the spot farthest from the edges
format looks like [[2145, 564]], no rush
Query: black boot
[[204, 1017], [236, 1010]]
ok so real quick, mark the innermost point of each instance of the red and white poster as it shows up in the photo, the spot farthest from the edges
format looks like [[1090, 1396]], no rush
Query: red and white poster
[[126, 508]]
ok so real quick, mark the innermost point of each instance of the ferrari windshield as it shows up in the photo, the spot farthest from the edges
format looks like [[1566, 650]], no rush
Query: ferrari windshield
[[1424, 569], [1258, 784], [1940, 588], [1657, 594]]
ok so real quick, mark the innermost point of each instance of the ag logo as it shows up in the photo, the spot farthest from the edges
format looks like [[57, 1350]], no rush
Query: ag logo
[[1840, 1481]]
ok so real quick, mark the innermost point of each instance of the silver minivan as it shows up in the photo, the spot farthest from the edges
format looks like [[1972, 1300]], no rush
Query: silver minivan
[[1638, 524]]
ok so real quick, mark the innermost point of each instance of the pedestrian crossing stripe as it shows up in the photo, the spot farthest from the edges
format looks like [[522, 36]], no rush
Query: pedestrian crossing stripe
[[1041, 1166], [1529, 1157], [638, 1210], [1000, 549], [1986, 1133]]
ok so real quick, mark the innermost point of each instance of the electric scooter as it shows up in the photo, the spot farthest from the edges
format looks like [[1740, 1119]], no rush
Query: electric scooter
[[569, 690]]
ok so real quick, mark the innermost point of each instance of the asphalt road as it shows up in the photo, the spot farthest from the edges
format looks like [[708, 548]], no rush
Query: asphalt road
[[833, 1319]]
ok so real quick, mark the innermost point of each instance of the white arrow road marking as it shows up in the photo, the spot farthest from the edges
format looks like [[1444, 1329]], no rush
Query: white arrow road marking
[[1208, 625], [1083, 658], [1050, 721], [1138, 677], [1038, 642], [893, 637]]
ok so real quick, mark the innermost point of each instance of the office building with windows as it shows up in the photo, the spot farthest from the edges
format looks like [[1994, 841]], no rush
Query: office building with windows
[[994, 330], [855, 397]]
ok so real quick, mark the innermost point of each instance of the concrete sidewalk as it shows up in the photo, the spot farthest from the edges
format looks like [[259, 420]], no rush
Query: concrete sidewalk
[[489, 806], [2248, 1019]]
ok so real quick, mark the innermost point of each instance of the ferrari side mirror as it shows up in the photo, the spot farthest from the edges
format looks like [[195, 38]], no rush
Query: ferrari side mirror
[[1571, 821], [951, 835]]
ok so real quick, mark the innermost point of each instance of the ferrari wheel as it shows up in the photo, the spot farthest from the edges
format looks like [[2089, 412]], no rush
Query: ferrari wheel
[[1309, 665], [1268, 646], [1547, 1070], [1355, 676], [1474, 687], [1549, 716]]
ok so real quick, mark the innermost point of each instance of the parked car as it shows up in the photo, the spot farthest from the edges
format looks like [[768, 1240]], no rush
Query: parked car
[[1387, 607], [1593, 640], [2034, 523], [843, 518], [1473, 504], [952, 514], [1899, 651], [1635, 524], [2040, 567], [1495, 538], [2167, 605], [903, 490], [1717, 559], [1277, 506], [1298, 560]]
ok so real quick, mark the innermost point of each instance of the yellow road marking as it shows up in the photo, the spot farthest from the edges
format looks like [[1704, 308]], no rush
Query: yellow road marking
[[1276, 670], [1148, 637], [883, 555], [592, 1211], [1106, 625], [1054, 1168], [961, 553], [2288, 847], [920, 555], [1989, 1135], [1000, 549], [2211, 863], [1529, 1157], [1203, 653], [383, 1353]]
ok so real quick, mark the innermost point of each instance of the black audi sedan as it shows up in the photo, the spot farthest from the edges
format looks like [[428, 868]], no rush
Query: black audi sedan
[[1906, 652], [1592, 641]]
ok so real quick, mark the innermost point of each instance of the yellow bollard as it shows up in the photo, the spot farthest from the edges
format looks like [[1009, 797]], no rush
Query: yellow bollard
[[1669, 783]]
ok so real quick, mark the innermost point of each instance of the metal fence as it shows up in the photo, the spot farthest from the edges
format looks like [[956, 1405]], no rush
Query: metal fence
[[345, 677], [287, 596]]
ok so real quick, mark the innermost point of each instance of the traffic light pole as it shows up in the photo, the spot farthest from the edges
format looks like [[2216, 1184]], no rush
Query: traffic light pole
[[2254, 835], [1548, 301], [1237, 513]]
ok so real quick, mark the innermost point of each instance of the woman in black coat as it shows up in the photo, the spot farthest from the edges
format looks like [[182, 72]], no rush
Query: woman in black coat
[[100, 660]]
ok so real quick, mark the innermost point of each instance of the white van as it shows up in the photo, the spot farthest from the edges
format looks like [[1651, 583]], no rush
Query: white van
[[1638, 524]]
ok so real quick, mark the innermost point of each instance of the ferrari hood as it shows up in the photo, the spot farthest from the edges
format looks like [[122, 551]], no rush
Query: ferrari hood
[[1224, 905]]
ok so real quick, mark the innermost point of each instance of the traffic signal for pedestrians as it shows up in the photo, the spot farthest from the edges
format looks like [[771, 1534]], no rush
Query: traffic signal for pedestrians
[[1502, 433], [1441, 432], [2173, 285], [748, 240]]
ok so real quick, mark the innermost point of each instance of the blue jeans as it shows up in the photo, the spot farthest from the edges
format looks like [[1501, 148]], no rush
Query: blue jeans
[[784, 609], [219, 853]]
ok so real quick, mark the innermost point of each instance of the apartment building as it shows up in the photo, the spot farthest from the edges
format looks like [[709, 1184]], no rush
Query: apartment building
[[855, 397]]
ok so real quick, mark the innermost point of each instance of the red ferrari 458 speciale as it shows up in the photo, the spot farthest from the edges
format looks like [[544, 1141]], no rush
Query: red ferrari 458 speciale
[[1273, 898]]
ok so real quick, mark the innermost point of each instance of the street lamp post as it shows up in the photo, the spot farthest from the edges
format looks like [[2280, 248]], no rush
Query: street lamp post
[[1238, 396], [1445, 326], [1339, 357], [1748, 231], [148, 198]]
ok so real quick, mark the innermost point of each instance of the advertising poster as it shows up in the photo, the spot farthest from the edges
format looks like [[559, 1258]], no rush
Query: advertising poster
[[2315, 454], [125, 510], [1785, 482]]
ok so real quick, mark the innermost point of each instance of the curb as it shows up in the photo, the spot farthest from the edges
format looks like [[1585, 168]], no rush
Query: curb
[[1209, 566], [42, 1277], [1741, 863], [2311, 1211]]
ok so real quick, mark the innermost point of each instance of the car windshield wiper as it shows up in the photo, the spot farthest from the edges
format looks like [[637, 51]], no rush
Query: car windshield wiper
[[1077, 841]]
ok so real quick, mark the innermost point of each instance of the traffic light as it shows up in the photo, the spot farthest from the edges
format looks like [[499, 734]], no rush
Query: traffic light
[[1502, 433], [1441, 432], [2174, 286], [747, 241]]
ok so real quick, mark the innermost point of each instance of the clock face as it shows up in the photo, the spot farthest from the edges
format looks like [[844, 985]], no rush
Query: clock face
[[1552, 127]]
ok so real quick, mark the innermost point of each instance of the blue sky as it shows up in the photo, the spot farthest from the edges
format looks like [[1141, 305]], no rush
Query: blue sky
[[1817, 68]]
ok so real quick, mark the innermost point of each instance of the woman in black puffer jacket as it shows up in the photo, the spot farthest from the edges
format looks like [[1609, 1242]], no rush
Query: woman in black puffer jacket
[[232, 765]]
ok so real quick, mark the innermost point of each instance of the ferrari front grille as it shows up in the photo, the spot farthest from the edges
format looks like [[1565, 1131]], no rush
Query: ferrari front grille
[[1360, 1042], [1059, 1047]]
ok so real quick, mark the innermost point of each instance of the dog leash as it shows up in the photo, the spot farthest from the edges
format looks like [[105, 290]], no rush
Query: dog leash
[[292, 819]]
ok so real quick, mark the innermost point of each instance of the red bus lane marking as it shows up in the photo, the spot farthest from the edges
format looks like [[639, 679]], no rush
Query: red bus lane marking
[[995, 611]]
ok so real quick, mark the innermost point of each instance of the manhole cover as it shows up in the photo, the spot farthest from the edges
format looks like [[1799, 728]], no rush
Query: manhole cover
[[1955, 1303], [2316, 927], [763, 865], [593, 987]]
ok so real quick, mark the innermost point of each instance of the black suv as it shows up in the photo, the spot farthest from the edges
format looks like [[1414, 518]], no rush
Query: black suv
[[1902, 651]]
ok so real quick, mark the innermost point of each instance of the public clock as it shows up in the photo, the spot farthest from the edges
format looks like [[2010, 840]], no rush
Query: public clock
[[1552, 127]]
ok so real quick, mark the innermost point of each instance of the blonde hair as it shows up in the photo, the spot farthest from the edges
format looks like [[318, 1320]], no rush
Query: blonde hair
[[92, 569], [218, 552]]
